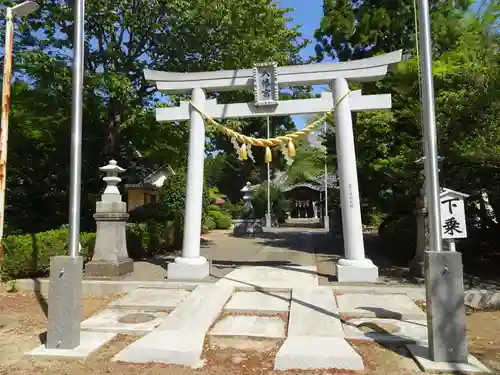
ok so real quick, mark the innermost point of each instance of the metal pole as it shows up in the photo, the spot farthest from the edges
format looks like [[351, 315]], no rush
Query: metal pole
[[76, 129], [4, 131], [326, 178], [430, 137], [269, 223]]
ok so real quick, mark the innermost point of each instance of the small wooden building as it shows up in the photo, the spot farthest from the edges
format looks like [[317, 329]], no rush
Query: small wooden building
[[145, 188]]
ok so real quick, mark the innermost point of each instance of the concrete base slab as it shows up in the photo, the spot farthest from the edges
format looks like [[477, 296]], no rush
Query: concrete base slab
[[131, 322], [184, 271], [369, 305], [386, 330], [314, 312], [307, 353], [89, 343], [271, 277], [169, 347], [109, 270], [353, 274], [259, 302], [151, 299], [259, 327], [180, 338], [421, 355], [243, 343]]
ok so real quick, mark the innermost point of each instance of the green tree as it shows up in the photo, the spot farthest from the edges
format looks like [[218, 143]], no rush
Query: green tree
[[355, 30], [122, 39]]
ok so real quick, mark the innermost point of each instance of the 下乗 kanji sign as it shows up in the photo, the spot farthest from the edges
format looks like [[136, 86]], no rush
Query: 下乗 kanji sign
[[453, 223]]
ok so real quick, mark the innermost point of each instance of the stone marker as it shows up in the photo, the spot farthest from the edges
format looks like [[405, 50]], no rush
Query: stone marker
[[110, 258], [65, 302], [445, 307]]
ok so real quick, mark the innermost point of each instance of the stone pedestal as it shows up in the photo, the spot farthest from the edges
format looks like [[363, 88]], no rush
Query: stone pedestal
[[110, 260], [65, 302], [247, 227], [357, 271], [445, 307], [326, 223], [268, 220], [188, 268]]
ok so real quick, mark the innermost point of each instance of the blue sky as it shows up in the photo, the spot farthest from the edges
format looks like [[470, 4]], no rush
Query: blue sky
[[307, 14]]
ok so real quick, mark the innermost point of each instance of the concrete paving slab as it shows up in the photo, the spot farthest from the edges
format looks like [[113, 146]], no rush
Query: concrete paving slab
[[368, 305], [386, 330], [151, 299], [307, 353], [259, 302], [180, 338], [169, 347], [89, 343], [314, 312], [130, 322], [421, 355], [279, 277], [199, 310], [261, 327]]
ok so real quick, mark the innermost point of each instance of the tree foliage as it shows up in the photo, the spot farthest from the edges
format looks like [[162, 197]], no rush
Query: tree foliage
[[122, 38]]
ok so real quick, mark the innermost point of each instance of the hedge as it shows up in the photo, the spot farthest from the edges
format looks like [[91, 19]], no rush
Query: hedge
[[222, 220], [29, 255], [144, 240]]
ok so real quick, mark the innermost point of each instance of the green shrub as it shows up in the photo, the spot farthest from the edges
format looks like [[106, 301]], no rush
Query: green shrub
[[235, 210], [208, 224], [29, 255], [398, 235], [279, 204], [223, 222], [214, 214], [145, 240], [149, 212]]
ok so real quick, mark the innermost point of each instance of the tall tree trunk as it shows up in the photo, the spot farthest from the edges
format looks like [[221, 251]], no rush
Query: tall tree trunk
[[112, 139]]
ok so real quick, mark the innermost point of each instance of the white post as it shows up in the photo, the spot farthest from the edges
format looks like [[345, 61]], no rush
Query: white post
[[268, 214], [191, 265], [451, 245], [326, 218], [355, 267]]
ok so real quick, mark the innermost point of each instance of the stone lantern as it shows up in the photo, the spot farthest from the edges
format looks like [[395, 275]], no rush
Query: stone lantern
[[110, 260], [248, 224]]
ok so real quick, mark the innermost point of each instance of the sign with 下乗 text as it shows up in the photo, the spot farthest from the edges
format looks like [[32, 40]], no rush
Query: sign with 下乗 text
[[453, 223]]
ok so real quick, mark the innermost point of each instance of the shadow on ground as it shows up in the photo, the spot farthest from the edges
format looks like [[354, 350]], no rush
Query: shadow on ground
[[328, 249]]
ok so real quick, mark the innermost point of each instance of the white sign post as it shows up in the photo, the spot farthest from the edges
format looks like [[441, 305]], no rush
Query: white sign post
[[453, 224]]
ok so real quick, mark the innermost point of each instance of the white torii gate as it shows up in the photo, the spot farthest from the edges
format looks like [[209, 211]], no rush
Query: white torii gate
[[355, 267]]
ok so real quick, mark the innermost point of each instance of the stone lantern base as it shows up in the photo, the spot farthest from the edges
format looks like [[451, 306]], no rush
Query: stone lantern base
[[109, 270]]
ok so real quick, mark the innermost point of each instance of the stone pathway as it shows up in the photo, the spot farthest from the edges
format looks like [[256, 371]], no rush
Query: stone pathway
[[308, 324]]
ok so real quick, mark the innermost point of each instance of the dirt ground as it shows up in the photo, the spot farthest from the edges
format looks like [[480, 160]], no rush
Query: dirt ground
[[23, 323]]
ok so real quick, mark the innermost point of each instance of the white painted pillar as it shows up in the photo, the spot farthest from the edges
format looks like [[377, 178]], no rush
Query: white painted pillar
[[354, 266], [191, 265]]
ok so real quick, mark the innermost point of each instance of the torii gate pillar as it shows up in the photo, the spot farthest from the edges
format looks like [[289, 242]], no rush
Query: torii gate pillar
[[191, 265], [354, 267]]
